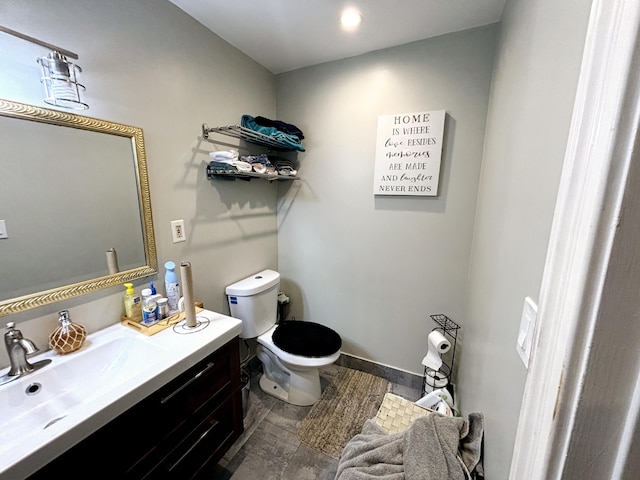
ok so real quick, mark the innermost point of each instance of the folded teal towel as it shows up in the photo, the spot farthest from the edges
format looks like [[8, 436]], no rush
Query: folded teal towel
[[221, 167], [290, 141], [218, 168]]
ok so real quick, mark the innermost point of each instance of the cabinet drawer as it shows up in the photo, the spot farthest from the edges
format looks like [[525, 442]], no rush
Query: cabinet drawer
[[184, 457], [206, 381], [209, 380]]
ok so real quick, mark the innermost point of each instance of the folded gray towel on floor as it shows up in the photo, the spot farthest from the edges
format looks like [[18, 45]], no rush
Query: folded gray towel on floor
[[435, 447]]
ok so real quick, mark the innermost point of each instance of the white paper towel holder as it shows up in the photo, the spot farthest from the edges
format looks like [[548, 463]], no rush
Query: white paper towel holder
[[441, 378]]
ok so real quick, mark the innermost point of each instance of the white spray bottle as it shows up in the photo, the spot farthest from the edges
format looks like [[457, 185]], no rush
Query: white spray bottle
[[171, 286]]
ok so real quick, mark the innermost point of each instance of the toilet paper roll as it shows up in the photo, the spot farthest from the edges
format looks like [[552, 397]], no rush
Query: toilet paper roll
[[187, 290], [437, 345], [112, 261]]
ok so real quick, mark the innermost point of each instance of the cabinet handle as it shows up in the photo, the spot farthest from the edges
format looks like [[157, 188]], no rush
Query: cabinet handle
[[207, 431], [209, 366]]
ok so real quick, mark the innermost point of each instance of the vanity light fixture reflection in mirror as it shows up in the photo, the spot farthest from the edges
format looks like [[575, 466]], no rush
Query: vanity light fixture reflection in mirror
[[71, 188]]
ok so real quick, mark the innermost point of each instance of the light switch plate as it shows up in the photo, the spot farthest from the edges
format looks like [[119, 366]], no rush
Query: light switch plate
[[3, 229], [527, 327]]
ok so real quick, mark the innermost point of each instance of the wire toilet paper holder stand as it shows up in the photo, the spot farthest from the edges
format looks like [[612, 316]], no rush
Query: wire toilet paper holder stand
[[441, 378]]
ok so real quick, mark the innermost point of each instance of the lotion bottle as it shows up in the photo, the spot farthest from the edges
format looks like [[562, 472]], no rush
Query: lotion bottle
[[149, 307], [132, 304]]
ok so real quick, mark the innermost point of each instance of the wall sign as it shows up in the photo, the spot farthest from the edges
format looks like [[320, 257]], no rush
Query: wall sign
[[408, 152]]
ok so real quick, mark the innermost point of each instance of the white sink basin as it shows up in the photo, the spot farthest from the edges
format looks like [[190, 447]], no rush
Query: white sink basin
[[44, 413], [38, 400]]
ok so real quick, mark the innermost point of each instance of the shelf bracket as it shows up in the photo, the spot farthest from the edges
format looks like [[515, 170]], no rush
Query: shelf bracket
[[205, 131]]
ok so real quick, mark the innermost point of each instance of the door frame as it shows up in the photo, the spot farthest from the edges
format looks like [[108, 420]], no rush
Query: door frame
[[585, 240]]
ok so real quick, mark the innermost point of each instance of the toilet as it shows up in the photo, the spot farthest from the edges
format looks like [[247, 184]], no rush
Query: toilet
[[292, 351]]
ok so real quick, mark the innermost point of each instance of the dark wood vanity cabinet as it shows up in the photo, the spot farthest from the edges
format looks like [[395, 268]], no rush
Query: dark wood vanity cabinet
[[181, 431]]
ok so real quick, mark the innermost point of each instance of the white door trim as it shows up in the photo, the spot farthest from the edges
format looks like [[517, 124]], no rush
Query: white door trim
[[592, 187]]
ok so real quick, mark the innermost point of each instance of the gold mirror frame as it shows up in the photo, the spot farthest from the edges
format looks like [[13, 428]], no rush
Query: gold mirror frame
[[54, 117]]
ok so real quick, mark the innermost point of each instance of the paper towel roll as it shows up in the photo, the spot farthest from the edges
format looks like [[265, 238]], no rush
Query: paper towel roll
[[437, 345], [112, 261], [187, 290]]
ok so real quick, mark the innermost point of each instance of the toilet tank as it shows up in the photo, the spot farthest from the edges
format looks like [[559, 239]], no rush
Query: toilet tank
[[254, 300]]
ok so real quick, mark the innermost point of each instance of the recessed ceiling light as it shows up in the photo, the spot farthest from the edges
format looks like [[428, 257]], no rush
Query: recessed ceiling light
[[350, 19]]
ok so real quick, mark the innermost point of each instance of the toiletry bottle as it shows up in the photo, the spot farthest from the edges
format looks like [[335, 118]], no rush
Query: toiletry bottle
[[154, 293], [171, 286], [149, 307], [68, 336], [132, 303], [163, 308]]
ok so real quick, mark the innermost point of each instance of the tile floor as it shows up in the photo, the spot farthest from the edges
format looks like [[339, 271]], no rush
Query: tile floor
[[269, 448]]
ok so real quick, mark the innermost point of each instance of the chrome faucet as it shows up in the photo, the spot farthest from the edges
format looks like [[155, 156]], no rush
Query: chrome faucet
[[18, 349]]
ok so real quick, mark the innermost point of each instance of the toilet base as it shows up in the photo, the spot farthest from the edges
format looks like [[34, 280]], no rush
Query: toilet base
[[272, 388], [292, 384], [295, 396]]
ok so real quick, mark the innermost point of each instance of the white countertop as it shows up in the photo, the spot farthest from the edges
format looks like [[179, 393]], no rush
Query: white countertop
[[24, 450]]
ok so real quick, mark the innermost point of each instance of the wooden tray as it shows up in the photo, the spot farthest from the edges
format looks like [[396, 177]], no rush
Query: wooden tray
[[156, 327]]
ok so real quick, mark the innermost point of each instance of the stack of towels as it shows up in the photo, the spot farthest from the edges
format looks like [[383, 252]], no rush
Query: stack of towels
[[224, 161], [285, 133], [260, 164], [227, 160]]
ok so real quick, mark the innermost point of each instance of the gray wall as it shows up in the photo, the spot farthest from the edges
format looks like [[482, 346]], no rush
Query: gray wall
[[148, 64], [375, 268], [536, 71]]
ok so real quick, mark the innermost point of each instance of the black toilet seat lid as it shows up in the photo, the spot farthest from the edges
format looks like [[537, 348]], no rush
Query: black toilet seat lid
[[307, 339]]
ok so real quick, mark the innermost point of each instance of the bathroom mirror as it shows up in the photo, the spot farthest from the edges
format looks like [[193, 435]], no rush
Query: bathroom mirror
[[71, 188]]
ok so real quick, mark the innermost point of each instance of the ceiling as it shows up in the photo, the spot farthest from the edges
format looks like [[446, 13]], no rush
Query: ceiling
[[284, 35]]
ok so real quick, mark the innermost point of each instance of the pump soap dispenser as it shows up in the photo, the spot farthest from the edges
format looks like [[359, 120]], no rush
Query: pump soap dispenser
[[68, 336]]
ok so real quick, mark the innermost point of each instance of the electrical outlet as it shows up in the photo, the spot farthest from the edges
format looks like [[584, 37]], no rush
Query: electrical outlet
[[3, 229], [177, 231]]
